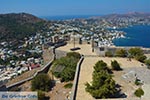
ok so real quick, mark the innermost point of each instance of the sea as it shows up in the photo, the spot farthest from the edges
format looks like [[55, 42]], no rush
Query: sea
[[67, 17], [138, 35]]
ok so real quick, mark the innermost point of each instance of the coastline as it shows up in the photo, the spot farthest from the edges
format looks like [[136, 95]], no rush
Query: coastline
[[135, 36]]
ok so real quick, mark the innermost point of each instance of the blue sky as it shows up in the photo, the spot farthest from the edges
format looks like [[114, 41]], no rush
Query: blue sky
[[73, 7]]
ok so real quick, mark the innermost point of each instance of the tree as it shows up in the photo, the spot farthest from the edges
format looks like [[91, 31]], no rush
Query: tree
[[41, 82], [41, 95], [67, 74], [103, 86], [139, 92], [108, 54], [138, 54], [101, 65], [115, 65], [121, 53]]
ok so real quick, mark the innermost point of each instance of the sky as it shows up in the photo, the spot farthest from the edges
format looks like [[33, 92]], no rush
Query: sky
[[73, 7]]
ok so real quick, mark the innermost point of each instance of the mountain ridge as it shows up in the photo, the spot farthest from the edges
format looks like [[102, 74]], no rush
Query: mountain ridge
[[129, 15]]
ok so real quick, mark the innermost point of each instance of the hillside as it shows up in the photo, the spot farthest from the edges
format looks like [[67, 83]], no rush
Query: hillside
[[127, 15], [18, 26]]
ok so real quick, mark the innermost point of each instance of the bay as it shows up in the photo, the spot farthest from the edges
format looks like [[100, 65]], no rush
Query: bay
[[138, 35]]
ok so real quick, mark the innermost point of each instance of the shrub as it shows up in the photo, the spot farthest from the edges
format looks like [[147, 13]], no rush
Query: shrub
[[15, 89], [115, 65], [74, 54], [135, 51], [137, 82], [147, 62], [140, 58], [108, 54], [139, 92], [121, 53], [67, 74], [138, 54], [65, 67], [41, 82], [69, 85], [41, 95]]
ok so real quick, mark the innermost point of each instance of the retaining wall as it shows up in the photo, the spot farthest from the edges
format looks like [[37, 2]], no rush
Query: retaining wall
[[76, 79]]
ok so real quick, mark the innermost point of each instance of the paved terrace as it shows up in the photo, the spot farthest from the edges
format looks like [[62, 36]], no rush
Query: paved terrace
[[87, 69], [85, 49]]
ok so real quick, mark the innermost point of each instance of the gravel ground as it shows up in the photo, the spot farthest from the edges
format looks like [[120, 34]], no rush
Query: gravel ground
[[59, 92], [142, 73], [146, 88]]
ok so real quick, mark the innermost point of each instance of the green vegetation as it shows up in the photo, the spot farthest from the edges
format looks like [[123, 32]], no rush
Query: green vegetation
[[115, 65], [108, 54], [121, 53], [16, 26], [41, 95], [139, 92], [147, 62], [138, 54], [69, 85], [2, 62], [137, 82], [41, 82], [16, 88], [140, 58], [65, 67], [101, 65], [135, 51], [102, 86], [74, 55]]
